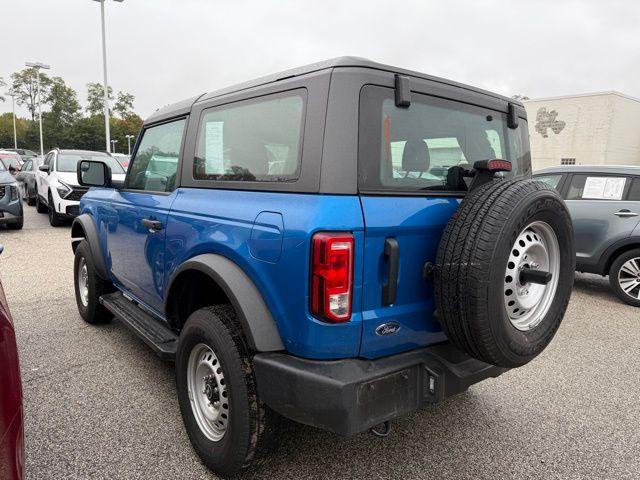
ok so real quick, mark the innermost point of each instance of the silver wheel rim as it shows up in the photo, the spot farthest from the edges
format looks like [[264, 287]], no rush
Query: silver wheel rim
[[208, 392], [629, 278], [83, 282], [536, 247]]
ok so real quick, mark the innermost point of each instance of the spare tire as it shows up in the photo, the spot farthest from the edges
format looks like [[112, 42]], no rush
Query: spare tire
[[504, 233]]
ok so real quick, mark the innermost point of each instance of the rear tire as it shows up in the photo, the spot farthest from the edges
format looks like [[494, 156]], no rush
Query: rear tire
[[232, 430], [499, 229], [31, 199], [89, 287], [624, 277]]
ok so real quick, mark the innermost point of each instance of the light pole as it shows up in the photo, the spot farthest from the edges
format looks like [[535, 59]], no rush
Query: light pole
[[38, 66], [105, 101], [13, 94], [129, 137], [113, 145]]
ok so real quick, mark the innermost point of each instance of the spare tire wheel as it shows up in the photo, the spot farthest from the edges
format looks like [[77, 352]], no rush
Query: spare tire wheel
[[504, 271]]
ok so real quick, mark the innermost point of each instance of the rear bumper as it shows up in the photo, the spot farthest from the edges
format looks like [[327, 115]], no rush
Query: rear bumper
[[353, 395]]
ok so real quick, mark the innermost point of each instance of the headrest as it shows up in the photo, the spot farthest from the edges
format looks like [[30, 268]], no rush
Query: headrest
[[415, 157]]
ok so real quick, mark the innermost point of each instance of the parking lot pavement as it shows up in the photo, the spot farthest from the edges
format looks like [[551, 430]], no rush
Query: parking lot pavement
[[100, 404]]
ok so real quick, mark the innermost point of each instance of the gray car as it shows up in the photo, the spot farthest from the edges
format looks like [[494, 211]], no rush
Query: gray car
[[27, 179], [604, 202], [11, 213]]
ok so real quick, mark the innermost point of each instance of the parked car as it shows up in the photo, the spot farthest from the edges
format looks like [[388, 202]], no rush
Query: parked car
[[58, 191], [604, 202], [273, 240], [11, 422], [11, 161], [122, 158], [11, 209], [27, 179], [24, 153]]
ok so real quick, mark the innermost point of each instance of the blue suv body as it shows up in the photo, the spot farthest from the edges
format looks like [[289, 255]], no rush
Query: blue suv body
[[312, 203]]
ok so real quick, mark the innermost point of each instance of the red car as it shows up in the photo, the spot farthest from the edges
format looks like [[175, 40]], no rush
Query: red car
[[11, 423]]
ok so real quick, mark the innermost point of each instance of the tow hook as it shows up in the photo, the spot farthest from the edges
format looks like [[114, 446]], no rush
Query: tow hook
[[381, 430]]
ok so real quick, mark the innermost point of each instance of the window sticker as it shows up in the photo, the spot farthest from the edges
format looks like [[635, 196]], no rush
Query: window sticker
[[604, 188], [214, 155]]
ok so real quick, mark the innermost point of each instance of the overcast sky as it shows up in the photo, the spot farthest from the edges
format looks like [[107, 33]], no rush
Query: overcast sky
[[162, 51]]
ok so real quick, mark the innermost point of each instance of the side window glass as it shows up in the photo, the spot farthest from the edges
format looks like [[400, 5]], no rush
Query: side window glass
[[592, 187], [634, 191], [155, 164], [551, 180], [258, 140], [27, 166]]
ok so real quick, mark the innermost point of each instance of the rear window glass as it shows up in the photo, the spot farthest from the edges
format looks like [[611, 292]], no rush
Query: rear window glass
[[594, 187], [414, 149], [634, 191], [257, 140], [551, 180]]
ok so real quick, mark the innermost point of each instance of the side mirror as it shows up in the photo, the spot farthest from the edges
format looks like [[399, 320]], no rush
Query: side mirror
[[44, 168], [93, 173]]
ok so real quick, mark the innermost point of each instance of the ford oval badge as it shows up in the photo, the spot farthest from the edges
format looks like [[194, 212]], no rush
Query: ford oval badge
[[388, 328]]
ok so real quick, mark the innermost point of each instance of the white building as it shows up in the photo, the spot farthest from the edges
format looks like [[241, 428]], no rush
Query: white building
[[588, 129]]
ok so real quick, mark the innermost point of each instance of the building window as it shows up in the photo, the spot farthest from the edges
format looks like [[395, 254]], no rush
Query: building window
[[567, 161]]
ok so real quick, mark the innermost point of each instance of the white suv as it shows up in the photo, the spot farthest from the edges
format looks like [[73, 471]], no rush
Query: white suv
[[57, 182]]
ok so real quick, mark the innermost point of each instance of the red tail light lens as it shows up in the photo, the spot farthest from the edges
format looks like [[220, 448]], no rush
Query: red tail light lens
[[332, 276]]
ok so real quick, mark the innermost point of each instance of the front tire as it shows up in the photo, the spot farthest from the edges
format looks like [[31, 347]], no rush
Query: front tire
[[31, 199], [40, 207], [89, 287], [624, 277], [55, 219], [229, 427]]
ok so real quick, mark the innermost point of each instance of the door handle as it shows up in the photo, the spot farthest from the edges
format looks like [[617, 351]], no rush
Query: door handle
[[152, 225], [625, 213], [390, 289]]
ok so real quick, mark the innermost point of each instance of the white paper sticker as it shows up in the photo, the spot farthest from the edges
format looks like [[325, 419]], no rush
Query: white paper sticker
[[604, 188], [214, 149]]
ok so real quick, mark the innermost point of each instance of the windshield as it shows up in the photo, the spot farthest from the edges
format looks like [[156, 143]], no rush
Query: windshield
[[10, 159], [68, 162], [414, 149], [2, 168]]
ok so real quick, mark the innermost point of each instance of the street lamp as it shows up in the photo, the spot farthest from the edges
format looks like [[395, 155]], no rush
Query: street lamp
[[105, 101], [13, 94], [129, 137], [113, 145], [39, 66]]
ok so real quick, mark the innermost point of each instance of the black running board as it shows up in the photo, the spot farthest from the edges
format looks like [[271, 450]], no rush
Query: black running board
[[150, 329]]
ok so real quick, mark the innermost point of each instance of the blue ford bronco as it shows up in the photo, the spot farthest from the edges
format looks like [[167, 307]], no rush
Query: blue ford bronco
[[338, 244]]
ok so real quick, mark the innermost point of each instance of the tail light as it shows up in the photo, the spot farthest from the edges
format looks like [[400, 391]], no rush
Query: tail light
[[332, 276]]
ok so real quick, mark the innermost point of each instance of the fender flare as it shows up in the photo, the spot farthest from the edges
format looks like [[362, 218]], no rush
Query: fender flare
[[88, 226], [606, 257], [255, 317]]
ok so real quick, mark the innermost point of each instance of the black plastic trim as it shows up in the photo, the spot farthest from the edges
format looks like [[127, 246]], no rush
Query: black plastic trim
[[88, 225], [352, 395]]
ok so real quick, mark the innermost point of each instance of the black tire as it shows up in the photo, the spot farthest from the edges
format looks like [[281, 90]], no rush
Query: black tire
[[93, 312], [614, 279], [40, 207], [472, 270], [55, 219], [253, 429], [16, 226], [31, 199]]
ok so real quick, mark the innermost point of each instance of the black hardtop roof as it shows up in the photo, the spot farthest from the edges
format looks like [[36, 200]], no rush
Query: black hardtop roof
[[183, 107]]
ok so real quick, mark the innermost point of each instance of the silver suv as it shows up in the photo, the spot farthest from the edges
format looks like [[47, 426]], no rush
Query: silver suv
[[604, 202]]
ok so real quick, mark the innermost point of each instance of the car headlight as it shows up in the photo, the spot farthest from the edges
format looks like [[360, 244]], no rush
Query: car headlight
[[63, 189], [14, 192]]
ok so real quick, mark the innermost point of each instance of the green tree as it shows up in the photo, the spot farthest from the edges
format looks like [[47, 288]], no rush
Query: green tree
[[95, 98], [25, 84], [63, 99], [124, 105]]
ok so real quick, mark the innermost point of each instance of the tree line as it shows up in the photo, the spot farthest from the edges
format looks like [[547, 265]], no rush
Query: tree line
[[65, 123]]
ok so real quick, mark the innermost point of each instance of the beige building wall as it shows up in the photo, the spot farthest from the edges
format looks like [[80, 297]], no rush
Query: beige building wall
[[594, 129]]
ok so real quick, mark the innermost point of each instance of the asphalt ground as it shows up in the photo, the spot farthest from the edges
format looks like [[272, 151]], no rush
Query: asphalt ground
[[100, 404]]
